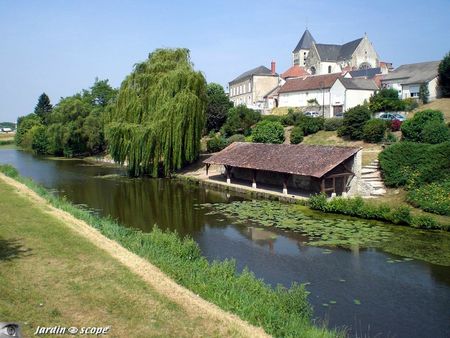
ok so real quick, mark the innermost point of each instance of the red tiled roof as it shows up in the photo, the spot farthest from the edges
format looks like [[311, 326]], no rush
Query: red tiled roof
[[299, 159], [294, 71], [310, 83]]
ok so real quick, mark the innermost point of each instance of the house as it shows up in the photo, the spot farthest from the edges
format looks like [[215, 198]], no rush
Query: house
[[294, 72], [250, 87], [295, 169], [407, 79], [333, 93], [319, 58]]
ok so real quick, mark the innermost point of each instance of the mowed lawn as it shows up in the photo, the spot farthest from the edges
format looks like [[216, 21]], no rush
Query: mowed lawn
[[51, 276]]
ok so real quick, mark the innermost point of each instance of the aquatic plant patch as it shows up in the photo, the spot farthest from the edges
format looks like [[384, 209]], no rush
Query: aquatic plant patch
[[321, 231]]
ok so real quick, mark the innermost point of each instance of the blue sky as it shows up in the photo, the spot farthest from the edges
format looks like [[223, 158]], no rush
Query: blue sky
[[60, 47]]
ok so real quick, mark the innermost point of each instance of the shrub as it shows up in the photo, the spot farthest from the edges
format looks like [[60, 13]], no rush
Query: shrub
[[414, 164], [426, 222], [268, 132], [386, 100], [435, 132], [291, 118], [433, 197], [217, 143], [412, 128], [236, 138], [410, 104], [296, 135], [239, 121], [333, 123], [396, 125], [310, 125], [390, 138], [400, 215], [374, 130], [354, 121], [272, 118]]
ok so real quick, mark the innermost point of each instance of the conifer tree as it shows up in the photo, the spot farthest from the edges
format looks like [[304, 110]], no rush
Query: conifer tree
[[43, 107]]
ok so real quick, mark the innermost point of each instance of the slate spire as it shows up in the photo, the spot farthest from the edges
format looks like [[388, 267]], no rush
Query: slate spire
[[305, 42]]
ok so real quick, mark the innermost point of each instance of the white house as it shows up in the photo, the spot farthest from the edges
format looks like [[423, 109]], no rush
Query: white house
[[407, 79], [333, 93]]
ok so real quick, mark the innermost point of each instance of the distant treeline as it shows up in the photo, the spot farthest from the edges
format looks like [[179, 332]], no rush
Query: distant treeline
[[8, 125]]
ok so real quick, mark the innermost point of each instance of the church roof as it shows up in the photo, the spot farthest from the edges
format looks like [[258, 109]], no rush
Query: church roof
[[329, 52], [305, 42], [414, 73], [261, 70]]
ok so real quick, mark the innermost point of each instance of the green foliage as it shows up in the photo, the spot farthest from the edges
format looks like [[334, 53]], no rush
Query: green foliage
[[43, 108], [412, 128], [159, 116], [10, 125], [296, 135], [272, 118], [354, 121], [424, 93], [236, 138], [291, 118], [240, 120], [433, 197], [312, 102], [24, 124], [280, 311], [217, 143], [390, 137], [268, 132], [435, 132], [374, 131], [39, 142], [444, 75], [310, 125], [333, 123], [358, 207], [410, 104], [386, 100], [414, 164], [217, 107], [102, 93]]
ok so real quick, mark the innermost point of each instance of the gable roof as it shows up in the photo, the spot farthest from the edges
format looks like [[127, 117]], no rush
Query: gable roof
[[309, 83], [296, 159], [305, 42], [294, 71], [261, 70], [328, 52], [358, 84], [273, 92], [414, 73], [367, 73]]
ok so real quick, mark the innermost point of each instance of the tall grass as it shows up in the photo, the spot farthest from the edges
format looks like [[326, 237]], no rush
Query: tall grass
[[280, 311]]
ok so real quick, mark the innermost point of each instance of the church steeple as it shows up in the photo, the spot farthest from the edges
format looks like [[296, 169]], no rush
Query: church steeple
[[300, 53]]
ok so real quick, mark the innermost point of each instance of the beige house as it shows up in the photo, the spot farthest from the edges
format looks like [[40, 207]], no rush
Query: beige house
[[320, 58], [250, 87]]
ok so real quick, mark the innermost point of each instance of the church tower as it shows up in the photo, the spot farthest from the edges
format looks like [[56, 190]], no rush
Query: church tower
[[300, 53]]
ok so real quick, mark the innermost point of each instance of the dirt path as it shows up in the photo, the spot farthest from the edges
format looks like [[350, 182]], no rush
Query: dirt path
[[147, 271]]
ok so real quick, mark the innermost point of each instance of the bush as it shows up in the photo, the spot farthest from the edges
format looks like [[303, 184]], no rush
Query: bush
[[412, 128], [435, 132], [217, 143], [433, 197], [400, 215], [386, 100], [272, 118], [410, 104], [390, 138], [239, 121], [414, 164], [236, 138], [354, 121], [333, 123], [296, 135], [310, 125], [396, 125], [291, 118], [374, 130], [268, 132]]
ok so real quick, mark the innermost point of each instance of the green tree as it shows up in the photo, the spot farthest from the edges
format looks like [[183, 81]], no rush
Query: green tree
[[39, 142], [217, 107], [43, 108], [268, 132], [374, 130], [239, 121], [24, 124], [424, 93], [102, 93], [412, 128], [354, 121], [444, 75], [159, 115], [386, 100]]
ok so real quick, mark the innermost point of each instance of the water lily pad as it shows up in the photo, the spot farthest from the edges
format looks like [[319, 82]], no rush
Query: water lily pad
[[357, 301]]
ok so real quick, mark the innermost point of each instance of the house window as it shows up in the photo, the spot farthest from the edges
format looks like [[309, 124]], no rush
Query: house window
[[329, 69], [249, 87], [414, 94]]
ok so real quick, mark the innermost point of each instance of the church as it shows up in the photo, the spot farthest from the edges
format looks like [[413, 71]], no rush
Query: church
[[320, 58]]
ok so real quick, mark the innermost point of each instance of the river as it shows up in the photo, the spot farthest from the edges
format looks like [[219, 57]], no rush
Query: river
[[362, 291]]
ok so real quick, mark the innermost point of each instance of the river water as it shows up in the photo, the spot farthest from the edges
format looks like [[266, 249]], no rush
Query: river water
[[364, 293]]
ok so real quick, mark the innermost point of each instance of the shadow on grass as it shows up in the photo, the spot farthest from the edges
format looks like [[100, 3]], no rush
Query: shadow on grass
[[12, 249]]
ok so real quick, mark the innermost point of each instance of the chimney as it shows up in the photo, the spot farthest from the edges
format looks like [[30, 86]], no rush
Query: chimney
[[272, 67]]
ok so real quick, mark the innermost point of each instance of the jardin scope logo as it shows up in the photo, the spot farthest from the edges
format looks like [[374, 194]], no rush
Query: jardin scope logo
[[9, 330]]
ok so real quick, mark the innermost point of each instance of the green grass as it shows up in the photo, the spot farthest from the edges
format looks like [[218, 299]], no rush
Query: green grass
[[51, 276], [281, 312]]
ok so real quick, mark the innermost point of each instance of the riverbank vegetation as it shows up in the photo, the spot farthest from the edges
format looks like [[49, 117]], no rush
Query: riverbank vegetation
[[53, 276], [281, 312]]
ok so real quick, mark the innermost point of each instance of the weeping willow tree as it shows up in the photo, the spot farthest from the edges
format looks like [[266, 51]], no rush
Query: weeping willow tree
[[159, 115]]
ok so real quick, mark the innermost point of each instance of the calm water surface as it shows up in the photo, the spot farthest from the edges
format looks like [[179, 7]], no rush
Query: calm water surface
[[408, 299]]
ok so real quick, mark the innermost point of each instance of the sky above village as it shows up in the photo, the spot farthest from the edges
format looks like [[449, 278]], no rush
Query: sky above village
[[60, 47]]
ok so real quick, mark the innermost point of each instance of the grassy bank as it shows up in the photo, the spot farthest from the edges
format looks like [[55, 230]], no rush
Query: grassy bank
[[281, 312], [50, 275]]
